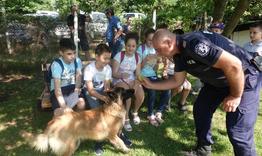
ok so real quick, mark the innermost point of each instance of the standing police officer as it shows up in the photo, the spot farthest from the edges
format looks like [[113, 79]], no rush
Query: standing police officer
[[229, 78]]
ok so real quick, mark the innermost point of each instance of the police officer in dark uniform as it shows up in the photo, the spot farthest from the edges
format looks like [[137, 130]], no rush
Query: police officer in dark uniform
[[229, 78]]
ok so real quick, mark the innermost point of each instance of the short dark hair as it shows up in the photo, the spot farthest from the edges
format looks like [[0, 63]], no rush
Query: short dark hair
[[102, 48], [110, 10], [162, 26], [67, 43], [149, 31], [256, 25], [178, 31], [132, 35]]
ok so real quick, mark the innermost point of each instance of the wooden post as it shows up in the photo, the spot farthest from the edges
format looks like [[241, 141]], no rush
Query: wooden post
[[76, 39], [8, 42]]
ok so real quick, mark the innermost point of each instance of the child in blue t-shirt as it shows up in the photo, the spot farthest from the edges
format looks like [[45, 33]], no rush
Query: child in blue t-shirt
[[148, 65], [66, 80]]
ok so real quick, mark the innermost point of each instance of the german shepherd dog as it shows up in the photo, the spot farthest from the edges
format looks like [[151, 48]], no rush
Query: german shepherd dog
[[63, 133]]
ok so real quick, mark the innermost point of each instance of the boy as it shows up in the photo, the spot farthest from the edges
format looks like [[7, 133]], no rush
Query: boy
[[217, 27], [97, 77], [255, 45], [66, 80]]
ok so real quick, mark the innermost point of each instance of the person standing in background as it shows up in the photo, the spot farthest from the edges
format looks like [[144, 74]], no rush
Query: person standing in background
[[114, 32]]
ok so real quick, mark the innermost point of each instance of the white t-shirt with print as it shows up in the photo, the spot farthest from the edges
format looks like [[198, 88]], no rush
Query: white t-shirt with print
[[98, 77], [128, 65]]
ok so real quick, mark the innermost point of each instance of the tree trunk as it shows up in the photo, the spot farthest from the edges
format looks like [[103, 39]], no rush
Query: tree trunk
[[233, 21], [219, 10]]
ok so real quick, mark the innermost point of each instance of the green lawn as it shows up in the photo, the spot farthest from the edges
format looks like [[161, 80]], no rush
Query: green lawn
[[22, 83]]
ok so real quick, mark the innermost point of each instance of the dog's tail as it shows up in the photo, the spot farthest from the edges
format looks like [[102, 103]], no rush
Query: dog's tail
[[39, 142]]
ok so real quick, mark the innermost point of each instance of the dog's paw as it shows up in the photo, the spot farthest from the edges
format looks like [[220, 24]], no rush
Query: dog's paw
[[126, 150]]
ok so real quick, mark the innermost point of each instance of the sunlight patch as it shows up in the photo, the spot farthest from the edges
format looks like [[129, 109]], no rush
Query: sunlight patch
[[14, 77]]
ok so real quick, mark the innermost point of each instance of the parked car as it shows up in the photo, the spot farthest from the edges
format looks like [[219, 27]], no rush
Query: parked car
[[134, 15], [98, 25]]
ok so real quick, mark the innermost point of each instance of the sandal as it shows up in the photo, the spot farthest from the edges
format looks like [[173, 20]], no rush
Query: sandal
[[136, 119], [159, 118], [127, 126], [152, 120]]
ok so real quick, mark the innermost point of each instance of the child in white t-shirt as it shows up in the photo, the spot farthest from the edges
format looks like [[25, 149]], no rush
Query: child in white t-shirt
[[97, 77]]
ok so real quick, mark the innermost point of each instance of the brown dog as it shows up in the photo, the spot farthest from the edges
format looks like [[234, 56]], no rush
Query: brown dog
[[64, 132]]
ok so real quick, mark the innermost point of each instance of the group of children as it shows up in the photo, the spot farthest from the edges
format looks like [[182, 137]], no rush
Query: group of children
[[68, 93]]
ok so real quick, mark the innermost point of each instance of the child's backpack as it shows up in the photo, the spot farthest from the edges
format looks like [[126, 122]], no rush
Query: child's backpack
[[122, 55]]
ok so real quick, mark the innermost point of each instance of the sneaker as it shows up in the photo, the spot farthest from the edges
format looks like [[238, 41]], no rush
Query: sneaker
[[159, 118], [125, 139], [152, 120], [182, 107], [127, 126], [136, 119], [99, 148]]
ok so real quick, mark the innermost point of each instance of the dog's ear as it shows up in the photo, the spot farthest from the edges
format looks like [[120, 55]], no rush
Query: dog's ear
[[112, 95], [129, 93]]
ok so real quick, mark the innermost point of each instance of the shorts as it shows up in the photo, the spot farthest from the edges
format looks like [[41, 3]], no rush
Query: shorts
[[91, 101], [70, 96]]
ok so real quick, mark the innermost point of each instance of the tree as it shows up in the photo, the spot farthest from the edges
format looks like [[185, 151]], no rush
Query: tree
[[233, 21]]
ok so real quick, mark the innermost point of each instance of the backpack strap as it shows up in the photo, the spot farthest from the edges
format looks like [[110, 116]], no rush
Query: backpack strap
[[75, 63], [60, 63], [137, 57], [122, 55], [143, 47]]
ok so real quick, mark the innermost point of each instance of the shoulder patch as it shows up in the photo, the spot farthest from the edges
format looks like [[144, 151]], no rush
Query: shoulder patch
[[202, 49]]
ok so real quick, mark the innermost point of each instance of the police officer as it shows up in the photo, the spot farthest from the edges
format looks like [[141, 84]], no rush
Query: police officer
[[229, 78]]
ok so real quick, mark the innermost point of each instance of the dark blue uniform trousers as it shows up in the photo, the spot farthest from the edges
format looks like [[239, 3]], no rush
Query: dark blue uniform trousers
[[240, 124]]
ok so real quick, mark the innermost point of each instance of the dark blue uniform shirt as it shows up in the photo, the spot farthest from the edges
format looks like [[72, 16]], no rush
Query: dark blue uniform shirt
[[201, 50]]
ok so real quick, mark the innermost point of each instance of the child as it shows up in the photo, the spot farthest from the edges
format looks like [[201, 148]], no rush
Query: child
[[184, 89], [97, 77], [66, 80], [217, 27], [126, 68], [149, 61], [255, 45]]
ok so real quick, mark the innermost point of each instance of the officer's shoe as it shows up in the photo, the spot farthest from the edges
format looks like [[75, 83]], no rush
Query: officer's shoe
[[204, 150], [199, 151]]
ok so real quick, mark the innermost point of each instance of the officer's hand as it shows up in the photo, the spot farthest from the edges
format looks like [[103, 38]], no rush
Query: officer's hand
[[231, 103], [146, 82]]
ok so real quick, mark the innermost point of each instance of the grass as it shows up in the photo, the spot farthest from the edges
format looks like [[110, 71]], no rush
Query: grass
[[21, 82]]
